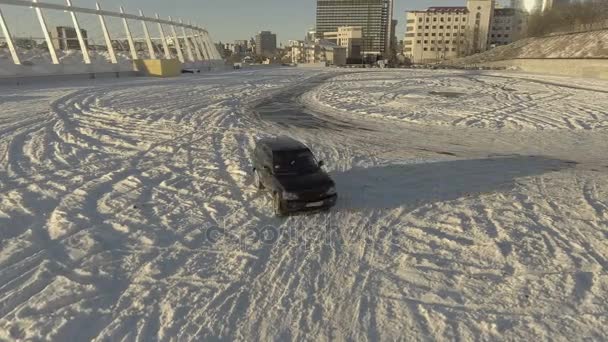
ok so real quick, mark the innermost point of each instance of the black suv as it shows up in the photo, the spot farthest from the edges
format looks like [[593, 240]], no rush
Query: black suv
[[289, 170]]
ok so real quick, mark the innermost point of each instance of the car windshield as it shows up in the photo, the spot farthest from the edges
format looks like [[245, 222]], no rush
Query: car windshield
[[295, 163]]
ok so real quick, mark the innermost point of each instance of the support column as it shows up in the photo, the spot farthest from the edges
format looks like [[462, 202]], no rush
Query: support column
[[9, 39], [178, 46], [212, 48], [199, 37], [187, 42], [106, 36], [205, 45], [47, 35], [81, 42], [147, 34], [197, 50], [164, 39], [129, 36]]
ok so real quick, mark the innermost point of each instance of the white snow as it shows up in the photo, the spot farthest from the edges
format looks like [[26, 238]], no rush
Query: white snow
[[472, 206], [590, 44], [36, 62]]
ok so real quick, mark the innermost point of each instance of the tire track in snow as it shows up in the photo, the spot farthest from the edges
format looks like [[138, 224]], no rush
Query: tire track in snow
[[443, 269]]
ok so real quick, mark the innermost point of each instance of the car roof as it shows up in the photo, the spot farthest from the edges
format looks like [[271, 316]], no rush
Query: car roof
[[283, 143]]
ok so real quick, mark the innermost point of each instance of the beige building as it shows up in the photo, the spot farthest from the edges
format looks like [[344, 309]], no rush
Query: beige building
[[509, 25], [298, 51], [440, 33], [348, 37], [319, 51]]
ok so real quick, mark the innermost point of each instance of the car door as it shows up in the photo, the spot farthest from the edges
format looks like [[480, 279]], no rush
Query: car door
[[266, 174]]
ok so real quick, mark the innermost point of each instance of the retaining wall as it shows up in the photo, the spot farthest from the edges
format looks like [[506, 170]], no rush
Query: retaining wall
[[587, 68]]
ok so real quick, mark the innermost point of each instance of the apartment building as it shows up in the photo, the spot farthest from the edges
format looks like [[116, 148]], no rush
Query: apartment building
[[265, 44], [373, 16], [318, 52], [298, 51], [440, 33], [509, 25], [348, 37]]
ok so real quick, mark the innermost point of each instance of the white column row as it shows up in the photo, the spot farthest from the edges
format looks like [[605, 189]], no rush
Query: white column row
[[197, 42]]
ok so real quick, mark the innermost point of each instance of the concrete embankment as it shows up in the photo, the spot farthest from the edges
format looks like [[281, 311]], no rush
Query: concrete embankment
[[578, 54], [588, 68]]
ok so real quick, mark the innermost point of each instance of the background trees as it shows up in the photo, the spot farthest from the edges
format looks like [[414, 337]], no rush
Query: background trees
[[578, 16]]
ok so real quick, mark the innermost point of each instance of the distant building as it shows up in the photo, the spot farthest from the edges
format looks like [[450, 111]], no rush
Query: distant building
[[440, 33], [238, 48], [265, 44], [298, 51], [311, 35], [549, 4], [373, 16], [332, 54], [65, 38], [509, 25], [518, 4], [348, 37], [317, 52]]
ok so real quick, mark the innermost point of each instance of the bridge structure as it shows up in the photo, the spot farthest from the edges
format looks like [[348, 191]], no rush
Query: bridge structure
[[189, 43]]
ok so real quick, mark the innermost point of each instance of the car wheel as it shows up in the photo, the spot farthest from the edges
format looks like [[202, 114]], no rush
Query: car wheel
[[257, 180], [278, 205]]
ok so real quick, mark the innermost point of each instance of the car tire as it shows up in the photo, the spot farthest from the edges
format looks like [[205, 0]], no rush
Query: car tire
[[257, 180], [277, 203]]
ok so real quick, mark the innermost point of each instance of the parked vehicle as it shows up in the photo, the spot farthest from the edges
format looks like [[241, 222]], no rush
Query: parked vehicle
[[289, 171]]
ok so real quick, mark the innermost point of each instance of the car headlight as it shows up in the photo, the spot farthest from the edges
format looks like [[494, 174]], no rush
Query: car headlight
[[331, 191], [290, 196]]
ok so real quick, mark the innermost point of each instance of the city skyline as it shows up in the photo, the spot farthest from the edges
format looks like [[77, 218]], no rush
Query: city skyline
[[228, 21]]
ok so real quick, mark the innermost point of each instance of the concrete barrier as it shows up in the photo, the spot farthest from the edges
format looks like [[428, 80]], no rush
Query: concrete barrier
[[158, 67], [579, 67], [57, 78], [312, 65]]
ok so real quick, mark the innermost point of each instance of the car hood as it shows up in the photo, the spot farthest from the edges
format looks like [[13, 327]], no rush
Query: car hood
[[314, 181]]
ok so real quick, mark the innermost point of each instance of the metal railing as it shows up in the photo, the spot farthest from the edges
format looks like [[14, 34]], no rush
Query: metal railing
[[198, 45]]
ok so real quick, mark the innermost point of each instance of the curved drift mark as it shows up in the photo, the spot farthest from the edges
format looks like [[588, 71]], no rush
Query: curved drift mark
[[286, 110]]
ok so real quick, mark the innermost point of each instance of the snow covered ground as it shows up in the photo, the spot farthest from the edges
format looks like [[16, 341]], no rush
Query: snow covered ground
[[472, 206]]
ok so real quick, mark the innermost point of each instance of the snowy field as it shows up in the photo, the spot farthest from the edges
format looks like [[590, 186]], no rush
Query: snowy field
[[473, 206]]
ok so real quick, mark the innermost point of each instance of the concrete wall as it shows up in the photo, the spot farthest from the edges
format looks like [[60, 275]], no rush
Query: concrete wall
[[588, 68], [54, 79], [158, 67], [312, 65]]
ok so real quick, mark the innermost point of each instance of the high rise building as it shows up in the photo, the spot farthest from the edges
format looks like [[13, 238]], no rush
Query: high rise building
[[265, 44], [509, 25], [373, 16], [440, 33]]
